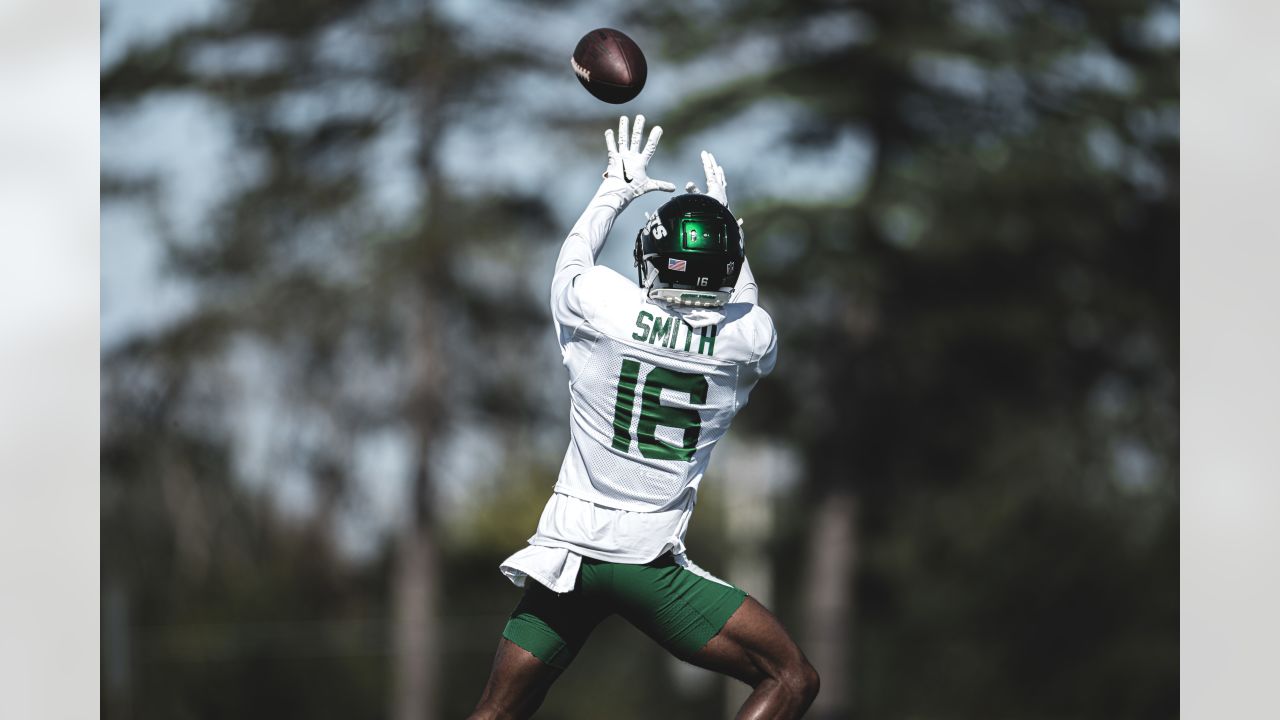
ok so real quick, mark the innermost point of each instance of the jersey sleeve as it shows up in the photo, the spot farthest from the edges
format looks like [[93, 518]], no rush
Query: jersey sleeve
[[766, 343], [578, 255], [746, 290]]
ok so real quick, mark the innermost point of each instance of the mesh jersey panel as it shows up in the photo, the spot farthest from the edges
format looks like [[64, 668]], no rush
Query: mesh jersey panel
[[649, 395]]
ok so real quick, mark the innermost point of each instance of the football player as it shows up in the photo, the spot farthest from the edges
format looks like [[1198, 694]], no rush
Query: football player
[[656, 374]]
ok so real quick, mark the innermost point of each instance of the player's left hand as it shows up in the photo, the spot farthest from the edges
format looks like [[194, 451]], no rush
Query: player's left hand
[[628, 163], [716, 185]]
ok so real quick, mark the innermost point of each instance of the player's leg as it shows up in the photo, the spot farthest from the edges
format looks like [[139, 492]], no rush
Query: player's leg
[[517, 684], [705, 621], [542, 636], [754, 648]]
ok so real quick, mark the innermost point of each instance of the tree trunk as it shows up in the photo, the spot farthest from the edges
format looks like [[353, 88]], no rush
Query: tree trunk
[[829, 603], [416, 603], [415, 613]]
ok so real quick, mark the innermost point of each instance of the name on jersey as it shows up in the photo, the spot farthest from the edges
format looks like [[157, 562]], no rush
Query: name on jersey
[[666, 332]]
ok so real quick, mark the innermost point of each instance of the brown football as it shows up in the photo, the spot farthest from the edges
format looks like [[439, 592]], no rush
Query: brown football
[[609, 65]]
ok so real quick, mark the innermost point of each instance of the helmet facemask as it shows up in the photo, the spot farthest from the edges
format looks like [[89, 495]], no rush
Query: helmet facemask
[[690, 252]]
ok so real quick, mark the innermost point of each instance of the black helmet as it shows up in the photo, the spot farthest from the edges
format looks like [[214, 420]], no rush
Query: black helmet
[[690, 252]]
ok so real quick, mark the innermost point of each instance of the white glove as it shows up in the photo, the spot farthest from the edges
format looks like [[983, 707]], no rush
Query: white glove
[[628, 163], [716, 186]]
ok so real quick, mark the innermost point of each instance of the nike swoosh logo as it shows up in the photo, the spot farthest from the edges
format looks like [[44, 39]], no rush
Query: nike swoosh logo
[[625, 175]]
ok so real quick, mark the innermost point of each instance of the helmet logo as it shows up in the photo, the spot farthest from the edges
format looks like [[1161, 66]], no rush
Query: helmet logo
[[655, 227], [728, 269]]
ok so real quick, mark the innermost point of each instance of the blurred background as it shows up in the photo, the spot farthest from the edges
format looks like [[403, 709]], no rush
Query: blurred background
[[332, 401]]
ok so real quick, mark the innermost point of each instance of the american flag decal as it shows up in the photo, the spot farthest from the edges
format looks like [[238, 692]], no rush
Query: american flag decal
[[673, 264]]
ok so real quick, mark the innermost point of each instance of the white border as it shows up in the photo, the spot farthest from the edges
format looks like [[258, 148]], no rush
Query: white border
[[1230, 360], [49, 360], [49, 269]]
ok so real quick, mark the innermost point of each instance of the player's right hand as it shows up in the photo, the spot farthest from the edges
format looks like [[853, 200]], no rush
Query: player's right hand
[[628, 163]]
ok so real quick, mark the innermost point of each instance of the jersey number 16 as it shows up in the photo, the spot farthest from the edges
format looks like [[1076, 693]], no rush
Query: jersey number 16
[[654, 414]]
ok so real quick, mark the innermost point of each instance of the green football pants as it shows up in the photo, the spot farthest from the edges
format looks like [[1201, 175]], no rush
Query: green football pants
[[680, 609]]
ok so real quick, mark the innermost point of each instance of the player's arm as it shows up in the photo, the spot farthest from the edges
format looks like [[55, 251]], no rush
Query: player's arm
[[625, 179], [746, 290]]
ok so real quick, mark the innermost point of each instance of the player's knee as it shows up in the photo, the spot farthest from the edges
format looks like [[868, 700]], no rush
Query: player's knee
[[801, 680]]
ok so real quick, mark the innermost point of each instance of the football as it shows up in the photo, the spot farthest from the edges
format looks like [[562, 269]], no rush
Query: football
[[609, 65]]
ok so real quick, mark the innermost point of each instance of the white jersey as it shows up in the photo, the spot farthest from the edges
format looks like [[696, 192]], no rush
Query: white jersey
[[650, 394], [652, 389]]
